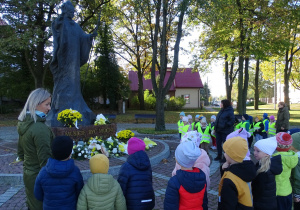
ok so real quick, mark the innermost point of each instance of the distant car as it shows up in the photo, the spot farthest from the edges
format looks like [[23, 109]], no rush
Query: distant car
[[295, 101], [216, 103]]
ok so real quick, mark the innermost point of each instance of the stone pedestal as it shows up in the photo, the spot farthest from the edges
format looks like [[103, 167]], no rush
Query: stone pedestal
[[85, 132]]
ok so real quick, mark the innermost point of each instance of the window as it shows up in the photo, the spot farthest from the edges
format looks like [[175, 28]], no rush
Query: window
[[186, 98]]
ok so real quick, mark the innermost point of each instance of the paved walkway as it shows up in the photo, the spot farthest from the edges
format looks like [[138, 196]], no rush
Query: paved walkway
[[12, 197]]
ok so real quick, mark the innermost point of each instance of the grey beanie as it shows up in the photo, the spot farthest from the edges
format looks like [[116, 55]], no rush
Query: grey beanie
[[187, 153]]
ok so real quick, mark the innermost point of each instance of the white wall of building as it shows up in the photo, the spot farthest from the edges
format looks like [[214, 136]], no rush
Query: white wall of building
[[194, 96]]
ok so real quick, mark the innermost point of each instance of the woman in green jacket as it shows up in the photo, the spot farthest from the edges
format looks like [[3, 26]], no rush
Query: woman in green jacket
[[34, 141]]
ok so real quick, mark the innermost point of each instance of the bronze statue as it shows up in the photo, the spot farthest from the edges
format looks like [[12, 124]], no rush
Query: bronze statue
[[71, 50]]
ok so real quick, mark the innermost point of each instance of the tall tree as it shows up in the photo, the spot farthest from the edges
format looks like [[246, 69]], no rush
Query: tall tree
[[31, 22], [107, 70], [132, 39], [169, 15]]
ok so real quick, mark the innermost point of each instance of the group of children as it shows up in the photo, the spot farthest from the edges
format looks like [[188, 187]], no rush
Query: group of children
[[60, 184], [260, 128], [273, 183], [186, 124]]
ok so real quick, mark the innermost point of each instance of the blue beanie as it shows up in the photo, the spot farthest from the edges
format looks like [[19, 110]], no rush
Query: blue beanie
[[265, 115], [182, 114], [187, 153]]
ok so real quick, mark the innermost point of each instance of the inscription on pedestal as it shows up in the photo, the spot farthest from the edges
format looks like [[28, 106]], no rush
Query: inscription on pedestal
[[85, 132]]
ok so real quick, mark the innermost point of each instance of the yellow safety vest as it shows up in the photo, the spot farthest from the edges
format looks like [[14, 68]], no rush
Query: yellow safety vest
[[193, 125], [212, 128], [205, 135], [238, 126], [184, 130], [251, 129], [272, 129], [180, 126], [244, 125], [256, 125], [264, 125]]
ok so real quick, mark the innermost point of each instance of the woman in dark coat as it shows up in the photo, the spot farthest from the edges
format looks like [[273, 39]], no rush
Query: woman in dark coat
[[283, 117], [34, 141], [223, 125]]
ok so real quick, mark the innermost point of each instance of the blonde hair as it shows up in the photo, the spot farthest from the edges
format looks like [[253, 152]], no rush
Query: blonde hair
[[265, 164], [35, 98]]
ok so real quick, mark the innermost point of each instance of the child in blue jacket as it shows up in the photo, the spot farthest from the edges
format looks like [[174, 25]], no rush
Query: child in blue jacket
[[59, 183], [135, 177]]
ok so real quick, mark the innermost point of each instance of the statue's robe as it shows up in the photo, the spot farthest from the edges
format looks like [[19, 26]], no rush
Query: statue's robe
[[71, 50]]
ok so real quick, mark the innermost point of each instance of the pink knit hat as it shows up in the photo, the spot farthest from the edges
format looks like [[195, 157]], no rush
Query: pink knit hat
[[241, 132], [135, 145], [284, 141], [272, 117]]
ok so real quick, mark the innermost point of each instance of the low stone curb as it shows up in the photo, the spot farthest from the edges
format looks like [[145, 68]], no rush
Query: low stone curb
[[17, 179]]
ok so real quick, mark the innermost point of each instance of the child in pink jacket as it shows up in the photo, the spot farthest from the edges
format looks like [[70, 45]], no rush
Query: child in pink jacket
[[203, 160]]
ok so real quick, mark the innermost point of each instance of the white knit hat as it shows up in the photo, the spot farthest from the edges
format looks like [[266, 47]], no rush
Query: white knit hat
[[185, 119], [213, 117], [187, 153], [193, 136], [267, 146], [203, 120], [190, 116]]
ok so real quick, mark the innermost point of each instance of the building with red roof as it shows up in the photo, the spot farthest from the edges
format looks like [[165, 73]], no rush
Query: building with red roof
[[186, 84]]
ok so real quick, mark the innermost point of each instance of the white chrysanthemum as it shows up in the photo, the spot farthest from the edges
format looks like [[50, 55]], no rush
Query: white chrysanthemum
[[100, 116], [79, 154], [115, 150], [110, 140]]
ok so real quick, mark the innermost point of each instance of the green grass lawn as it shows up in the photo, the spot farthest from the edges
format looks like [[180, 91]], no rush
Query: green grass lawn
[[173, 116]]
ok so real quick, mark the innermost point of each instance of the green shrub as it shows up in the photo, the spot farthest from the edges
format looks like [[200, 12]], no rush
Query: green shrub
[[150, 100], [175, 104], [134, 102], [5, 109]]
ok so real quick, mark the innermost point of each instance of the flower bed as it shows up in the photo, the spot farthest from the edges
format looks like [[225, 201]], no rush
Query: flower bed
[[109, 147]]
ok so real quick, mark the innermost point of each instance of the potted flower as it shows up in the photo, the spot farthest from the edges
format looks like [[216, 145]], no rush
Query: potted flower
[[69, 117]]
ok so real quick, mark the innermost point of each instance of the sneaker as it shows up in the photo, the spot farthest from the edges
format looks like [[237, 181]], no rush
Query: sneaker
[[214, 147]]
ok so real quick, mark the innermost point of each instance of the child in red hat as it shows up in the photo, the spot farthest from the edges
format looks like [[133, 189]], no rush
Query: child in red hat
[[289, 160]]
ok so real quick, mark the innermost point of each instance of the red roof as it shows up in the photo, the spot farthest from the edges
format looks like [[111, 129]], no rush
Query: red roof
[[184, 78]]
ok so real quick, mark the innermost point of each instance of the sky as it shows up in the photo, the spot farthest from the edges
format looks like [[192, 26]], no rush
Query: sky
[[216, 79]]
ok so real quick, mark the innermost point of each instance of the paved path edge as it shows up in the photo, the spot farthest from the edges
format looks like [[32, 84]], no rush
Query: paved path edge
[[17, 179]]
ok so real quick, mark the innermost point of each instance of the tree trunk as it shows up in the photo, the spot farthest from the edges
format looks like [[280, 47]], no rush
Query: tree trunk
[[161, 90], [256, 93], [231, 78], [246, 83], [228, 90], [240, 107], [286, 80], [141, 90], [160, 114]]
